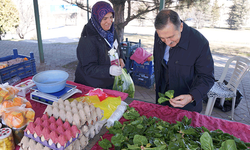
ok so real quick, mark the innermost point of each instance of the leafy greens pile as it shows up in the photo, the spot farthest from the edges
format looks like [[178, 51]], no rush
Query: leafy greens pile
[[141, 133]]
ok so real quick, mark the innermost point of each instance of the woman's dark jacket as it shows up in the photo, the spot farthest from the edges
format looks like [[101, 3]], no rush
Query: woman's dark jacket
[[94, 62], [190, 67]]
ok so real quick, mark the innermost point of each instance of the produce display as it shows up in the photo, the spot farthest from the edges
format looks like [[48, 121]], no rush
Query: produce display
[[140, 132], [6, 139], [11, 62], [15, 112]]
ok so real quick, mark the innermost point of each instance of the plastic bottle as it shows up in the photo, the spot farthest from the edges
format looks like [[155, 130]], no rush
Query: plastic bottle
[[14, 80]]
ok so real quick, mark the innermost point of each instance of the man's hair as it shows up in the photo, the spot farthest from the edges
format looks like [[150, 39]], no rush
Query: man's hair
[[164, 17]]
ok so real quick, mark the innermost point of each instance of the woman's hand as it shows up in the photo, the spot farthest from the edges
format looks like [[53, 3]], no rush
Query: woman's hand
[[121, 62]]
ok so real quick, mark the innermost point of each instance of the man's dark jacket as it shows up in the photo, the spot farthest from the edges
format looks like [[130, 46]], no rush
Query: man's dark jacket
[[190, 69], [94, 62]]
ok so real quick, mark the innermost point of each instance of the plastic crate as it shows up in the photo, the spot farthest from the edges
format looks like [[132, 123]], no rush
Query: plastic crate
[[128, 49], [145, 68], [143, 79], [22, 70]]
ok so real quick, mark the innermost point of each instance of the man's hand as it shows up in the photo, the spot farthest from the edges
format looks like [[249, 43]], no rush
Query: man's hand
[[181, 101]]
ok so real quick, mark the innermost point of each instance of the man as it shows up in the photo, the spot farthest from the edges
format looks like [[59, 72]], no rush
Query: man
[[182, 62]]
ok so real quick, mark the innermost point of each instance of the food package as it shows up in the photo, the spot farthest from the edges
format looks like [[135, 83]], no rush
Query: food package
[[18, 117], [6, 139], [24, 87], [51, 132], [7, 92], [16, 101], [117, 114], [99, 92]]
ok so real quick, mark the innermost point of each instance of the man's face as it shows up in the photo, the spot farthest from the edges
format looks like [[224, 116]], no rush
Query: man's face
[[107, 21], [170, 35]]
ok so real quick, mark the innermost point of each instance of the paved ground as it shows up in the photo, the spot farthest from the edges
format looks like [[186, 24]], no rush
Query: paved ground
[[60, 56]]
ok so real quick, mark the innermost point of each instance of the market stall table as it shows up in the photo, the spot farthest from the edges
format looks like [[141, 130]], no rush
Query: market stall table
[[39, 107], [165, 113], [171, 115]]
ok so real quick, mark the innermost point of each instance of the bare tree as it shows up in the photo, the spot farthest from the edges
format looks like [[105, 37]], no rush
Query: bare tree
[[119, 8], [26, 16], [124, 8]]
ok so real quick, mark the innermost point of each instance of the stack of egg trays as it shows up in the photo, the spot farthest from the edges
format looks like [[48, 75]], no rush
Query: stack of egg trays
[[33, 128], [86, 117], [27, 143]]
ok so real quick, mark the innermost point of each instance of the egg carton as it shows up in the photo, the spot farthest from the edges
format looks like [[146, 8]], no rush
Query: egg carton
[[51, 132], [50, 144], [76, 113], [28, 143]]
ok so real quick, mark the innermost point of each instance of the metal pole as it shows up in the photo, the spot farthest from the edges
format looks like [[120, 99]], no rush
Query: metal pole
[[38, 31], [87, 10], [162, 4]]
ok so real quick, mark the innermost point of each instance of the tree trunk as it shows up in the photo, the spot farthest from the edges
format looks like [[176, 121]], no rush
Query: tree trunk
[[118, 6]]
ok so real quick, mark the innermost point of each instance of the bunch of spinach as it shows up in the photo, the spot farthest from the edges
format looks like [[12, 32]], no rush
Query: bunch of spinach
[[152, 133], [124, 83], [162, 97]]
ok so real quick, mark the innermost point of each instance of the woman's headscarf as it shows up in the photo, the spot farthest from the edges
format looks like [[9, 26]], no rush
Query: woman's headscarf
[[99, 10]]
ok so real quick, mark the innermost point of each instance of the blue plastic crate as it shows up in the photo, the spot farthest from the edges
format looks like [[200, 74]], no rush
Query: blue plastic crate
[[128, 48], [145, 68], [22, 70], [143, 79]]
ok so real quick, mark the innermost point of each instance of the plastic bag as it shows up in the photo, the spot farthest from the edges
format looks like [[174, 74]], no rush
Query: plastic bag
[[99, 92], [109, 105], [124, 83], [17, 117], [117, 114], [7, 92], [16, 101]]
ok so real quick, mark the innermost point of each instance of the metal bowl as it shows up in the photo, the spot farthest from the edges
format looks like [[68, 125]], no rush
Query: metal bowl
[[50, 81]]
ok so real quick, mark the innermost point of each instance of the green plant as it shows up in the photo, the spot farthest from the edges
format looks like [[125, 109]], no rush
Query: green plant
[[155, 134], [162, 97], [9, 17]]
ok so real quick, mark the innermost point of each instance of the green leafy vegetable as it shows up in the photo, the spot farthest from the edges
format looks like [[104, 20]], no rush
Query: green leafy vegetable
[[152, 133], [206, 141], [162, 98], [124, 83], [131, 113], [228, 145], [140, 140], [105, 144], [118, 139]]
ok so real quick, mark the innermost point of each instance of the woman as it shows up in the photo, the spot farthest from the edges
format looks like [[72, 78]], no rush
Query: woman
[[98, 52]]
